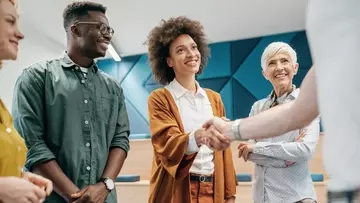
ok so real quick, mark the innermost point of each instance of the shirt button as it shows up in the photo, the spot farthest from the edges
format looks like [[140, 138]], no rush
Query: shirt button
[[88, 144], [86, 122], [88, 168], [85, 101], [8, 130], [76, 68], [82, 81], [19, 148]]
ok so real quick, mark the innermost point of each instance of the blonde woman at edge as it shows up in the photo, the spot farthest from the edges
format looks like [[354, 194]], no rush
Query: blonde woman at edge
[[15, 186]]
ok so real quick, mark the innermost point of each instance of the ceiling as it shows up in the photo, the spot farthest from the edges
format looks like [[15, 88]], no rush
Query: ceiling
[[41, 20]]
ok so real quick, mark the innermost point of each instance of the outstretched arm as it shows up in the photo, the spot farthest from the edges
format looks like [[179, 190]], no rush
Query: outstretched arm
[[275, 121]]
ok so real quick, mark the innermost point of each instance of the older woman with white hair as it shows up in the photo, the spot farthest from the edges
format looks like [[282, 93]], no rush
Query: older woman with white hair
[[281, 171]]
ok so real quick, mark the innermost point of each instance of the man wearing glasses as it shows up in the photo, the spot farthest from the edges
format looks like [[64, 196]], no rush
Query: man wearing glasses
[[72, 115]]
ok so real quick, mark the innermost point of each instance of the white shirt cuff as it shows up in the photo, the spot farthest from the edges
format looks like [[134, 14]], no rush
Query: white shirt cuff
[[192, 146]]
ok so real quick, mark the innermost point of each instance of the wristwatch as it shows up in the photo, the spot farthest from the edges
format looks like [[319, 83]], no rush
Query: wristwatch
[[109, 183]]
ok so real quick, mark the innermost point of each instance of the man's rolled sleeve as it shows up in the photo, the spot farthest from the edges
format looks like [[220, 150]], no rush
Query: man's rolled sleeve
[[121, 137], [28, 115], [38, 153]]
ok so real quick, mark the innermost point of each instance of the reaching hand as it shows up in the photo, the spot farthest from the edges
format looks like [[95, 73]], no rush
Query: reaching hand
[[40, 181], [216, 140], [223, 125], [19, 190], [212, 138]]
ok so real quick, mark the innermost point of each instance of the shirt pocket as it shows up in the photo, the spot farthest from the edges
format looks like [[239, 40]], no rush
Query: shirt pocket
[[109, 109]]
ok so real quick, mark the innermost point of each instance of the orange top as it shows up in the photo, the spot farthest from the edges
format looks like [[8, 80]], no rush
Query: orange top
[[12, 146], [170, 180]]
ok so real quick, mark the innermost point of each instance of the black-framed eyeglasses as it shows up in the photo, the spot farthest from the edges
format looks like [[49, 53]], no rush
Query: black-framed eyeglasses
[[103, 28]]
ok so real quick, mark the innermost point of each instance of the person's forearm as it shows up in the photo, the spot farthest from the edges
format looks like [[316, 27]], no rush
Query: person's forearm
[[114, 163], [62, 184], [266, 161], [286, 117]]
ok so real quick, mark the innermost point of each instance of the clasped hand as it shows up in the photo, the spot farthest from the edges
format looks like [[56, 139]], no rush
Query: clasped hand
[[215, 133], [96, 193]]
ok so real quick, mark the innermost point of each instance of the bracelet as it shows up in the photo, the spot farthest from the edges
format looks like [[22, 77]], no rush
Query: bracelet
[[235, 129]]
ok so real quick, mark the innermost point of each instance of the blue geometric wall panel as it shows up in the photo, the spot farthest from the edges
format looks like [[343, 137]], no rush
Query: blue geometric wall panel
[[233, 70], [219, 64], [300, 45], [110, 67], [126, 66], [133, 85], [228, 99], [243, 100], [138, 125], [215, 84], [240, 50]]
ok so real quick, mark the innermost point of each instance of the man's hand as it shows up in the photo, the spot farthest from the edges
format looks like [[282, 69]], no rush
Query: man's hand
[[215, 140], [93, 193], [230, 200], [19, 190], [223, 125], [244, 150], [40, 181]]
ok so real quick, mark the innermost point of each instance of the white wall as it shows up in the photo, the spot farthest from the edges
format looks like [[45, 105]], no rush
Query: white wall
[[30, 52]]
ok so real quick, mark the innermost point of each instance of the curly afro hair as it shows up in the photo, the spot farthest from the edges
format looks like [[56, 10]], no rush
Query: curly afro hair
[[160, 39]]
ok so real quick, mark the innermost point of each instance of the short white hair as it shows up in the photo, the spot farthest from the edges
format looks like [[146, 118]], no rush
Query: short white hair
[[275, 48]]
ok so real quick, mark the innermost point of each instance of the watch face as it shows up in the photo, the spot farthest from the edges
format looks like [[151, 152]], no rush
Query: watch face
[[109, 184]]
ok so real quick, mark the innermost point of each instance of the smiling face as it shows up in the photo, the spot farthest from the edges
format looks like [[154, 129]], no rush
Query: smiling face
[[185, 57], [280, 70], [10, 34], [92, 42]]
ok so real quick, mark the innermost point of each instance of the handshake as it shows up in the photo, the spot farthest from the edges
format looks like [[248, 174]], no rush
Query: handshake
[[216, 133]]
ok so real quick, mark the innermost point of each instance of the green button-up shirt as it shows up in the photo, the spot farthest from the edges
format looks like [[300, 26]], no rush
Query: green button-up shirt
[[74, 120]]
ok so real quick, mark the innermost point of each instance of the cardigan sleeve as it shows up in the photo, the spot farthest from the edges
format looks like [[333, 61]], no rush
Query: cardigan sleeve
[[169, 142]]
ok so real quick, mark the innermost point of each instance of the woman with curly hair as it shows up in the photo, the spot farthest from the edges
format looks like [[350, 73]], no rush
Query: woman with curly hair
[[185, 169]]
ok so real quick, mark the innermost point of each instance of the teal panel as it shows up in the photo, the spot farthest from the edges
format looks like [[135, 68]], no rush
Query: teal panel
[[317, 177], [301, 46], [220, 62], [133, 86], [109, 66], [215, 84], [243, 100], [243, 177], [249, 73], [128, 178], [125, 65], [138, 125], [227, 98], [240, 50]]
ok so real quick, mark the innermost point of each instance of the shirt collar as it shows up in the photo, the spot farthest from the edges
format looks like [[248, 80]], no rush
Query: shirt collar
[[66, 62], [293, 94], [178, 90]]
